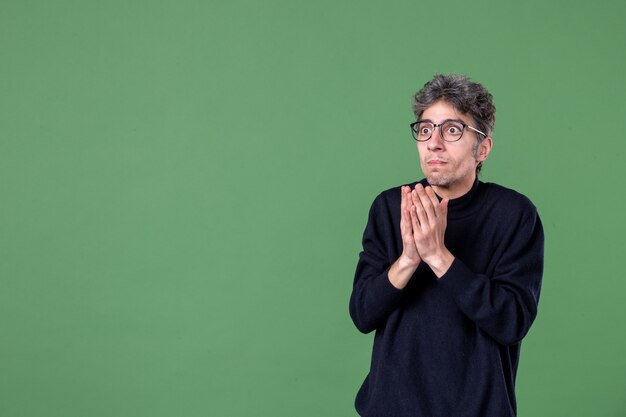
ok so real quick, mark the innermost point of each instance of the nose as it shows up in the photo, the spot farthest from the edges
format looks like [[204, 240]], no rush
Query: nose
[[436, 141]]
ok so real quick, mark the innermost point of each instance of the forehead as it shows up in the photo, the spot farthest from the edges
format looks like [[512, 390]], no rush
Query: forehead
[[442, 110]]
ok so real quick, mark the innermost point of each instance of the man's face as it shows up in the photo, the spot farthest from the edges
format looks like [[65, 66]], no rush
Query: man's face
[[451, 166]]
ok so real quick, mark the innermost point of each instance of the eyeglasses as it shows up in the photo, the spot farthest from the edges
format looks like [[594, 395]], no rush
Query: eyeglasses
[[450, 130]]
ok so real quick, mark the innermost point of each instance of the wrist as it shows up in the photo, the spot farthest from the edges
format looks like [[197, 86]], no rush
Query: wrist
[[407, 263], [401, 271], [441, 262]]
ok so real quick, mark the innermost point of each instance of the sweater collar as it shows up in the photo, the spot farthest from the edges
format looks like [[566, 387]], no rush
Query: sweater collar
[[460, 205]]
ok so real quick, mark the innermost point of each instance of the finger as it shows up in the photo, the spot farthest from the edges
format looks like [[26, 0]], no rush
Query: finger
[[408, 239], [404, 204], [405, 221], [429, 209], [414, 220], [422, 217], [414, 197], [407, 229], [433, 199]]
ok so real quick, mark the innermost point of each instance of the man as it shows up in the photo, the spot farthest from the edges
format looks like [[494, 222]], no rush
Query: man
[[450, 272]]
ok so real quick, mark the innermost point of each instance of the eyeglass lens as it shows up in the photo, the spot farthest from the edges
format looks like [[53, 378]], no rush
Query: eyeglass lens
[[450, 130]]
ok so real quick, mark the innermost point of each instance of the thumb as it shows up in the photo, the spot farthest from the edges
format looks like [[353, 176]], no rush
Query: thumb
[[444, 206]]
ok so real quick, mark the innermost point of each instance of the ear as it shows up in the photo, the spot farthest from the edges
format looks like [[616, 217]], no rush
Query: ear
[[483, 149]]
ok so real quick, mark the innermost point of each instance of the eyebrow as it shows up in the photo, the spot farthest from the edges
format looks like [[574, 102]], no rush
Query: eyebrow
[[443, 121]]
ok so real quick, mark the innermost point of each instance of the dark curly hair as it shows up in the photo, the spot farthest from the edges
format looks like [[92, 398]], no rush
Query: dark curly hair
[[464, 95]]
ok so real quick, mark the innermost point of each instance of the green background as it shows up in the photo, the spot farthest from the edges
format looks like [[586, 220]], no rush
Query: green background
[[184, 185]]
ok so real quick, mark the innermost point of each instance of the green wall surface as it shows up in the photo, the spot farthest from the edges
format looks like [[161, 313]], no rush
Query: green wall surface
[[184, 186]]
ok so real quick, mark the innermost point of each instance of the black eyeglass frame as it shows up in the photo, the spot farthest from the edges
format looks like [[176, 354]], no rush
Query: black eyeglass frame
[[461, 122]]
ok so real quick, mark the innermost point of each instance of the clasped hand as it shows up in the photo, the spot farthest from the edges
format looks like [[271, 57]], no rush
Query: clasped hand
[[423, 225]]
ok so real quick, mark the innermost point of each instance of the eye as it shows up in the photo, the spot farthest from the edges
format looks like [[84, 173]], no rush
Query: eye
[[425, 129], [453, 128]]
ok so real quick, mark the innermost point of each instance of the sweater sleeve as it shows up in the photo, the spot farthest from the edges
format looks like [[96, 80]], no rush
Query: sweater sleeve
[[505, 304], [373, 296]]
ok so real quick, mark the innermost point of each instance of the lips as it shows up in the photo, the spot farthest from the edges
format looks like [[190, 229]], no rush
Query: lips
[[436, 162]]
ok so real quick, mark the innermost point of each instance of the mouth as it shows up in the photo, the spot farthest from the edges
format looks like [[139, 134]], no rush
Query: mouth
[[436, 163]]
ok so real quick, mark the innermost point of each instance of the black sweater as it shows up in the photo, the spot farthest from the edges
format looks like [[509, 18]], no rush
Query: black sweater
[[450, 347]]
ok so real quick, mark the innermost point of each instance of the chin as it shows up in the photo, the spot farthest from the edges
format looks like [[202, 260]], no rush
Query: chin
[[438, 180]]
